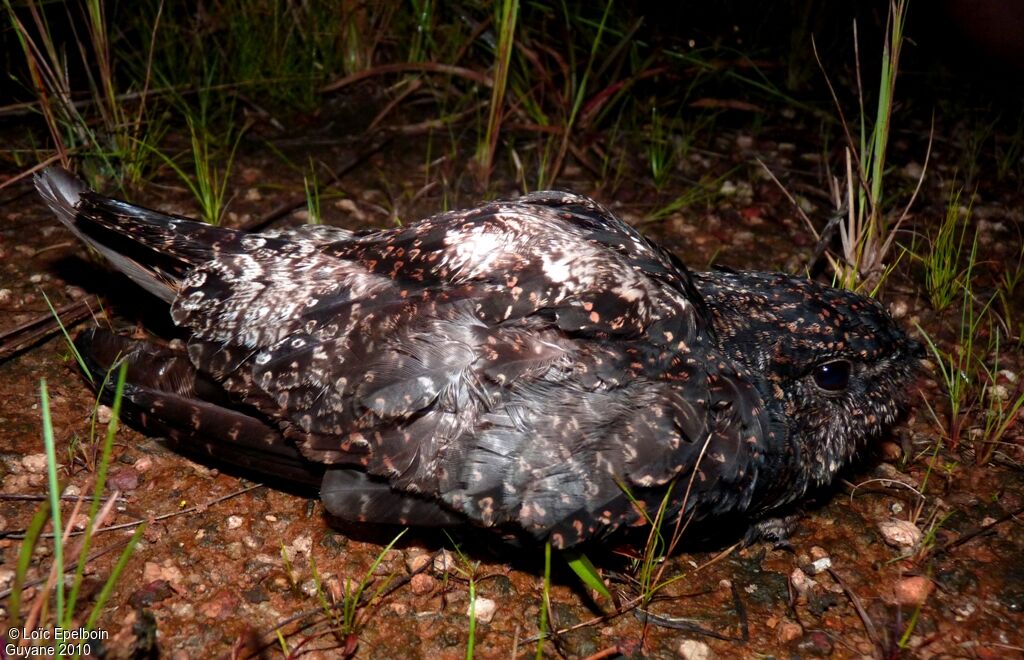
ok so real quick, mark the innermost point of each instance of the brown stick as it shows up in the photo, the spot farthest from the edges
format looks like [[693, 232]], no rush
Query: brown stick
[[32, 170], [425, 67], [32, 332]]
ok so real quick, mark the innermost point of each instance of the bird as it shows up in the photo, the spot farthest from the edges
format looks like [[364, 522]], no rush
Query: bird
[[531, 364]]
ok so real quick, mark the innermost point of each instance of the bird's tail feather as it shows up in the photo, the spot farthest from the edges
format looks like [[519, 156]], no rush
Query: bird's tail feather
[[164, 395], [154, 249]]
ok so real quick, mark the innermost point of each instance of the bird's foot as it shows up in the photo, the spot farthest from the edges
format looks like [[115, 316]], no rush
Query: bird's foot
[[775, 531]]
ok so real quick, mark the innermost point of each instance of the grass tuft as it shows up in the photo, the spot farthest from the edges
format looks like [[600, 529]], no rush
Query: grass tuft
[[944, 276], [352, 598], [66, 601], [208, 183], [959, 368], [115, 145], [506, 16], [869, 228], [311, 184], [1000, 407]]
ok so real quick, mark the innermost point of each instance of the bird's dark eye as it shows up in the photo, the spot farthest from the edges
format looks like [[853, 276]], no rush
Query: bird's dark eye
[[832, 376]]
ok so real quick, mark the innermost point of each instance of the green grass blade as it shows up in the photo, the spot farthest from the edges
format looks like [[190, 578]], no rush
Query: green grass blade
[[506, 16], [71, 344], [55, 490], [471, 644], [587, 572]]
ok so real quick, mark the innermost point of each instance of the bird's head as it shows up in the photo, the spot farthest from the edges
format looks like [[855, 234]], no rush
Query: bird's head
[[836, 363]]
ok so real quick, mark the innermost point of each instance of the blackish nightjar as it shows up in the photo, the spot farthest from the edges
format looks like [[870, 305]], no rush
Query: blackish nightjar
[[519, 365]]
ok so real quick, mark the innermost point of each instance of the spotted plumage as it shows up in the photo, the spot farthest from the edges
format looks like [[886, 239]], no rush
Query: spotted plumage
[[533, 364]]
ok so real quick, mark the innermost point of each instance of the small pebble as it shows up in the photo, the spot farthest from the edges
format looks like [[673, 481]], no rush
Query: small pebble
[[387, 563], [444, 562], [483, 608], [34, 463], [300, 546], [998, 392], [125, 479], [964, 610], [691, 649], [234, 522], [415, 563], [79, 522], [898, 309], [821, 565], [309, 587], [143, 464], [103, 414], [422, 584], [222, 604], [913, 590], [816, 644], [800, 581], [900, 533], [788, 631], [153, 571], [890, 451]]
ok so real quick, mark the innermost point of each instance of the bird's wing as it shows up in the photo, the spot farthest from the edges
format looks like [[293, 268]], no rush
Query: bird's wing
[[525, 362], [522, 361], [327, 337]]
